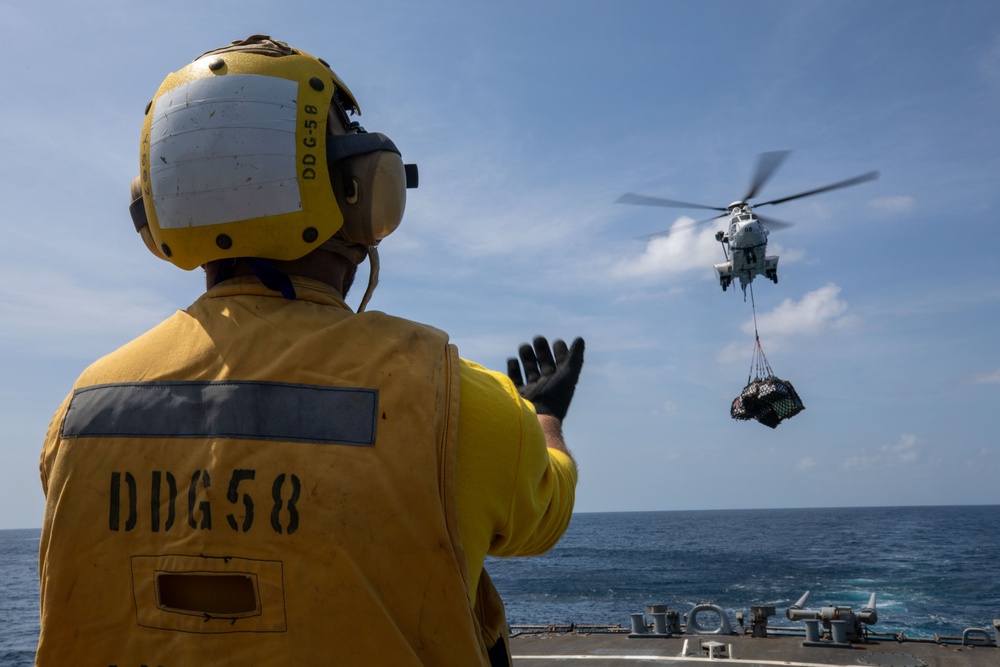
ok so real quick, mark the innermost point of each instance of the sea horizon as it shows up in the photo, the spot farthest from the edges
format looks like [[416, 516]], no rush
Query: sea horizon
[[730, 509]]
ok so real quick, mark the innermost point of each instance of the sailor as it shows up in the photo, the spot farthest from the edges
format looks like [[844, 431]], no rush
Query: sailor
[[268, 478]]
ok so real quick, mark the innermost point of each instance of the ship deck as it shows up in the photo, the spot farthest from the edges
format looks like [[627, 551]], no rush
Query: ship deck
[[615, 648]]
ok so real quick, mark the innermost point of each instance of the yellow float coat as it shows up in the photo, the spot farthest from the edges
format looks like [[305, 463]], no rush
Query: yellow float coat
[[257, 481]]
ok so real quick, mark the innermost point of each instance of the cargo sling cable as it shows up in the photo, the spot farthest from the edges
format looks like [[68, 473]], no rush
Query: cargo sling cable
[[766, 398]]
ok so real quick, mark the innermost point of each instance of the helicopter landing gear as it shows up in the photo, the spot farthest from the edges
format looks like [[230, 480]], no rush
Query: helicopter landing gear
[[726, 282], [773, 275]]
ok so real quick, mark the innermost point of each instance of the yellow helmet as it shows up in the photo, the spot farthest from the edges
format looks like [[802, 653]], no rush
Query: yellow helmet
[[249, 152]]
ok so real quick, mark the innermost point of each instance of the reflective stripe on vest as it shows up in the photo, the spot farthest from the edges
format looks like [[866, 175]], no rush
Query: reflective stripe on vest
[[226, 409]]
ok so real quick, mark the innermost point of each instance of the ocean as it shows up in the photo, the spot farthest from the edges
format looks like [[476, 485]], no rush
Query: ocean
[[934, 570]]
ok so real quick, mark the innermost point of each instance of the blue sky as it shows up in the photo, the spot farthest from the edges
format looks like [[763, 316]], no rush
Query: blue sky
[[528, 121]]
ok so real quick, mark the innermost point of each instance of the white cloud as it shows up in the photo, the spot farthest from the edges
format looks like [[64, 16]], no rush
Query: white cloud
[[685, 248], [735, 351], [787, 255], [908, 450], [817, 311], [892, 206], [987, 378], [806, 463], [904, 451], [668, 408]]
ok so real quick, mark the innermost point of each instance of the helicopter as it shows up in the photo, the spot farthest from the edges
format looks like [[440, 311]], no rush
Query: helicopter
[[744, 244]]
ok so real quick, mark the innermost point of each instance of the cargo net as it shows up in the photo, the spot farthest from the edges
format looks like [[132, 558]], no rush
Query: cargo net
[[766, 398]]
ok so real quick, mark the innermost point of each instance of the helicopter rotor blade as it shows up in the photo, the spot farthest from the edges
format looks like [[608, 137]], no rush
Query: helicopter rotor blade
[[678, 228], [645, 200], [870, 176], [772, 223], [767, 164]]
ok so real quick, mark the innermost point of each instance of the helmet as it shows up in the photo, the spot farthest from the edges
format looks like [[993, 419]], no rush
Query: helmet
[[249, 152]]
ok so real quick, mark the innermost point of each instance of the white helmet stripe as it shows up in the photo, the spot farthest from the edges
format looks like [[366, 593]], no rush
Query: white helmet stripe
[[200, 132]]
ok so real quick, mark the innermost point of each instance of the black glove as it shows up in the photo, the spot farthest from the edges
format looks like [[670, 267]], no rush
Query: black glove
[[550, 380]]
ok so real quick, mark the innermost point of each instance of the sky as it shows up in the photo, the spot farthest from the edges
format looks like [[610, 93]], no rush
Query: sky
[[528, 120]]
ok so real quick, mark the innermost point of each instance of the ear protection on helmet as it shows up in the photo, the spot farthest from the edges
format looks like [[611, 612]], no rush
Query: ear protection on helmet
[[369, 180], [232, 160], [138, 213]]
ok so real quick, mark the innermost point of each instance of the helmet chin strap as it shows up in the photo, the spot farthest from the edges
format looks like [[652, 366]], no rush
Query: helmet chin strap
[[356, 253], [271, 277], [373, 267], [280, 282], [264, 271]]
